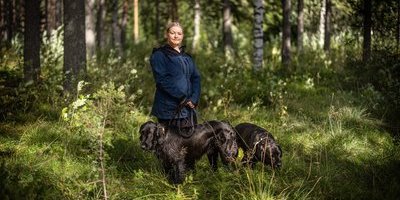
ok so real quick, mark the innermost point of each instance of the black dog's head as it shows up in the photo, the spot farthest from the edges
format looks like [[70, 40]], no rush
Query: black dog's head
[[225, 140], [268, 151], [151, 135]]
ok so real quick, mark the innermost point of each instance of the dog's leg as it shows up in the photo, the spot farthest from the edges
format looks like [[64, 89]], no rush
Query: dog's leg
[[169, 170], [190, 164], [178, 173], [213, 158]]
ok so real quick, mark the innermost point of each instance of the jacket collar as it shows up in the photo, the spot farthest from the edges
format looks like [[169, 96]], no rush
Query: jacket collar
[[171, 50]]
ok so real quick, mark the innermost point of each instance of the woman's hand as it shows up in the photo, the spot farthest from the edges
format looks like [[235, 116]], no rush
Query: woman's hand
[[190, 104]]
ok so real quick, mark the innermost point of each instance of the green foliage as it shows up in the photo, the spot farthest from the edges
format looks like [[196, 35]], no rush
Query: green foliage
[[378, 82], [51, 59], [327, 115]]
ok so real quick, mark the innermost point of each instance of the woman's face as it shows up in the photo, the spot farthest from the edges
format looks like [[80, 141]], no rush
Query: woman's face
[[175, 36]]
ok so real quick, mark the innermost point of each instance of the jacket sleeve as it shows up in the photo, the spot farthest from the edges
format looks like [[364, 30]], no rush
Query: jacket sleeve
[[196, 85], [163, 78]]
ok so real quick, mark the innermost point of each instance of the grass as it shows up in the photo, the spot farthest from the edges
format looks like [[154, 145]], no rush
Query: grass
[[335, 151], [333, 146]]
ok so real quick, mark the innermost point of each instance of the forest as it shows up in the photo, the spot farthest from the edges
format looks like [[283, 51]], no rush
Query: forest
[[323, 76]]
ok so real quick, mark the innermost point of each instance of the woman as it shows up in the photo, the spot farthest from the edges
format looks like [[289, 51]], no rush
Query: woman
[[177, 81]]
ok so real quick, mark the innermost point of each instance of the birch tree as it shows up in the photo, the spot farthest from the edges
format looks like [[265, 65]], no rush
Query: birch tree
[[136, 21], [197, 14], [258, 34], [90, 27], [227, 28]]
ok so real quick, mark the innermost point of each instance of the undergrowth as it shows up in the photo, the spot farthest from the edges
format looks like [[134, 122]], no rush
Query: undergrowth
[[333, 136]]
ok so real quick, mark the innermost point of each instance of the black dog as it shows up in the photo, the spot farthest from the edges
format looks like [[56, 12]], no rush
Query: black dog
[[258, 145], [178, 154]]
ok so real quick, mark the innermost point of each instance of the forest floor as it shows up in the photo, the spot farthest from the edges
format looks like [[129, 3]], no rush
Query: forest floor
[[332, 149]]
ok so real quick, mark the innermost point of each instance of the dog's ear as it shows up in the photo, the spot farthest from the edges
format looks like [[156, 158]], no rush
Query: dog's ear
[[160, 133]]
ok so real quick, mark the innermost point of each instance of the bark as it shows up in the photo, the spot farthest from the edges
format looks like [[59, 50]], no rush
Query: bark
[[59, 13], [174, 10], [367, 30], [1, 20], [286, 34], [258, 35], [300, 24], [90, 27], [327, 35], [51, 16], [9, 21], [124, 22], [136, 21], [32, 42], [116, 31], [157, 29], [74, 44], [321, 29], [197, 15], [227, 28], [101, 15], [17, 17], [398, 25]]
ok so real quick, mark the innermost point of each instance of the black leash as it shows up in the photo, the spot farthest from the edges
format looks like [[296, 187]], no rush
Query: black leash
[[177, 119], [237, 133]]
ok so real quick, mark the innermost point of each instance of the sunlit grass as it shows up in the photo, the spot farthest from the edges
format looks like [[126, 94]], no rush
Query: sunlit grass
[[333, 147], [320, 160]]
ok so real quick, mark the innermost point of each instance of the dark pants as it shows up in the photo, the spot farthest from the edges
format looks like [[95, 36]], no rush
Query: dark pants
[[187, 122]]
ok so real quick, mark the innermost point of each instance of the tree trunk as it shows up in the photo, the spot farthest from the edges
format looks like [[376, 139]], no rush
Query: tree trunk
[[286, 34], [59, 13], [300, 25], [398, 26], [32, 42], [124, 22], [51, 16], [9, 21], [327, 38], [157, 28], [321, 28], [227, 28], [367, 30], [101, 15], [90, 28], [136, 20], [74, 44], [1, 20], [258, 34], [116, 31], [18, 16], [174, 10], [197, 14]]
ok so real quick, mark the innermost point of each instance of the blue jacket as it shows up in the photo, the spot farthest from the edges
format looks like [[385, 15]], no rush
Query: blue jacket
[[177, 79]]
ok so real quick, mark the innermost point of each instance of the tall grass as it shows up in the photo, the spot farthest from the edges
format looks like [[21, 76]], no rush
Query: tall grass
[[333, 144]]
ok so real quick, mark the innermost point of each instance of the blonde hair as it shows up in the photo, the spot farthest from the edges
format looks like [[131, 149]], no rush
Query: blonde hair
[[172, 24]]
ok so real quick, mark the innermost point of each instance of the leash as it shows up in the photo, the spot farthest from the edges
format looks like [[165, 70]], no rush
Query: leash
[[206, 122], [177, 119]]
